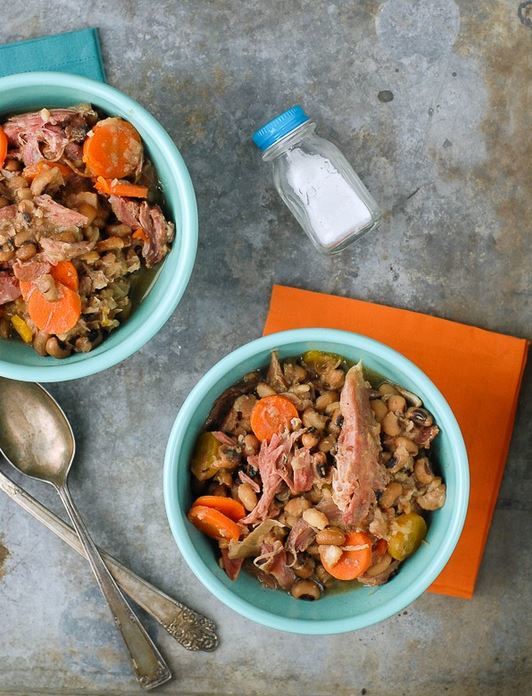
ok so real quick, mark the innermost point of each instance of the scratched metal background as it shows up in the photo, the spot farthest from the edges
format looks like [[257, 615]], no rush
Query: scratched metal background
[[449, 159]]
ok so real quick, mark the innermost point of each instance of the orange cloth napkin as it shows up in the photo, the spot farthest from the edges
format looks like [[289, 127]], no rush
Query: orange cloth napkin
[[479, 373]]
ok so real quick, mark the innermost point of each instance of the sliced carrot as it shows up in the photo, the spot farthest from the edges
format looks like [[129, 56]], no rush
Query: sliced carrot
[[3, 146], [65, 272], [33, 170], [56, 317], [230, 507], [271, 415], [352, 563], [140, 234], [213, 523], [120, 188], [113, 149]]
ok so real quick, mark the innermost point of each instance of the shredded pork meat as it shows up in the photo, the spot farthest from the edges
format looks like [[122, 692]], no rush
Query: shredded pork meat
[[9, 288], [159, 232], [359, 473]]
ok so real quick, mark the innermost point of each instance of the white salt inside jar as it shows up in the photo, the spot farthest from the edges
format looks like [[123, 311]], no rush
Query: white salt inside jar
[[316, 182]]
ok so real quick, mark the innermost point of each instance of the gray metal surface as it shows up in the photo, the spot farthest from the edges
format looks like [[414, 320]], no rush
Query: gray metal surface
[[447, 159]]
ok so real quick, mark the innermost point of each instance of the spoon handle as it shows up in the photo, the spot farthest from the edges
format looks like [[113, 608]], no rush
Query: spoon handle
[[189, 628], [149, 666]]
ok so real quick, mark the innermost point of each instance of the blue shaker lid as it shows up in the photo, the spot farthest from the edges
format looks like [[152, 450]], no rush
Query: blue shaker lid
[[278, 127]]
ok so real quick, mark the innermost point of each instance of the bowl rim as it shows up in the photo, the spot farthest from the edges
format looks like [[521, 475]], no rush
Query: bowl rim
[[184, 264], [177, 521]]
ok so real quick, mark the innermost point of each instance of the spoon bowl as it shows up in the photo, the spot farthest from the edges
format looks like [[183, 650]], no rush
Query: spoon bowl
[[35, 437]]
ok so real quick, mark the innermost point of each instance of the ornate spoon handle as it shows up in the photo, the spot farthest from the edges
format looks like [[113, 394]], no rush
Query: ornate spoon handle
[[148, 664], [191, 629]]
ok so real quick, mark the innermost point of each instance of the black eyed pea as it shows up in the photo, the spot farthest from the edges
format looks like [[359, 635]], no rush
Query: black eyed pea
[[26, 251], [327, 444], [336, 422], [251, 445], [312, 419], [315, 494], [379, 409], [331, 408], [314, 550], [390, 424], [396, 403], [422, 471], [12, 165], [320, 459], [24, 236], [6, 255], [120, 230], [315, 518], [386, 389], [89, 211], [224, 477], [247, 496], [335, 379], [331, 536], [23, 194], [299, 372], [54, 349], [39, 342], [110, 244], [301, 390], [17, 182], [91, 257], [45, 178], [408, 444], [325, 399], [296, 506], [419, 416], [391, 493], [434, 498], [305, 589], [310, 440], [322, 575], [68, 236], [305, 569]]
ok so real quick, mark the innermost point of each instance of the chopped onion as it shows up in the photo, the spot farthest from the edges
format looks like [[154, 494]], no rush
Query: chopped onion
[[330, 554]]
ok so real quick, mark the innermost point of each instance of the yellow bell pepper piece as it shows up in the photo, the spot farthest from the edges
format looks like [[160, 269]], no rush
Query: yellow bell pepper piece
[[204, 456], [22, 328], [409, 530]]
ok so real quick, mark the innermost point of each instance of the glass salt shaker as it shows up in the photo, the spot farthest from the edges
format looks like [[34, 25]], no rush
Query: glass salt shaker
[[316, 182]]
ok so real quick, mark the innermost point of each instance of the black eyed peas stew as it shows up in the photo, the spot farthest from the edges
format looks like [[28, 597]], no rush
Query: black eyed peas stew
[[78, 227], [307, 475]]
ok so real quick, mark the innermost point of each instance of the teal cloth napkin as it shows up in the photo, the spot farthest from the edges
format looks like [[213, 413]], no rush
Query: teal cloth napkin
[[76, 52]]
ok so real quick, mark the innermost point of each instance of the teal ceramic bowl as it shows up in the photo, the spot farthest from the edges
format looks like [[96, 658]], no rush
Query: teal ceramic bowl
[[29, 91], [335, 612]]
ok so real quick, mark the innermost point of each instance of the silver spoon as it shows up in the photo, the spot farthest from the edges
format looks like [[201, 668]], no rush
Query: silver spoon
[[36, 438]]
